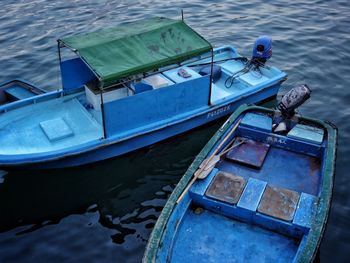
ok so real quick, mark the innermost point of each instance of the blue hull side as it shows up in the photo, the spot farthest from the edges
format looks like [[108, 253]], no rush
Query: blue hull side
[[114, 149]]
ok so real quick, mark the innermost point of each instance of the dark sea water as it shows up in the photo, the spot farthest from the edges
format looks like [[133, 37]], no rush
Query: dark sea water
[[105, 212]]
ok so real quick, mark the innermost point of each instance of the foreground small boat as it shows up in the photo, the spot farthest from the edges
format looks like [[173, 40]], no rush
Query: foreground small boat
[[265, 200], [128, 87]]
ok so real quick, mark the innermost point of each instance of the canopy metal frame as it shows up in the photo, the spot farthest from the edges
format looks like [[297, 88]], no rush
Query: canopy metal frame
[[125, 80]]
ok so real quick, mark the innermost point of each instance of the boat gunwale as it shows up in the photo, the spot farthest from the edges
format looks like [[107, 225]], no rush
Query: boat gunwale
[[317, 229]]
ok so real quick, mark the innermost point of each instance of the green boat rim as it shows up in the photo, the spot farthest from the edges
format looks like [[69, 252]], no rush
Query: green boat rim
[[319, 224]]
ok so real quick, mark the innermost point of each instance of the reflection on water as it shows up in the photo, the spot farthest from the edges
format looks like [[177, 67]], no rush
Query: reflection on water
[[124, 195]]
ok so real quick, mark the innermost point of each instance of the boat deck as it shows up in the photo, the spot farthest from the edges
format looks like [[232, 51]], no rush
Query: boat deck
[[202, 232], [47, 126], [234, 80], [303, 171]]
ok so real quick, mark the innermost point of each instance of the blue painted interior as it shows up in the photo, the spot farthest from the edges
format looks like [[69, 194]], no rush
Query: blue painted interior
[[306, 210], [140, 87], [29, 101], [243, 210], [31, 129], [198, 189], [240, 85], [75, 73], [174, 76], [252, 194], [306, 133], [215, 71], [220, 91], [232, 66], [56, 129], [253, 78], [210, 237], [257, 121], [203, 227], [17, 92], [280, 141], [303, 171]]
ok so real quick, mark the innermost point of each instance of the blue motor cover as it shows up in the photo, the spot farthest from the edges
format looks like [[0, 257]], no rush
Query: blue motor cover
[[207, 69], [263, 47]]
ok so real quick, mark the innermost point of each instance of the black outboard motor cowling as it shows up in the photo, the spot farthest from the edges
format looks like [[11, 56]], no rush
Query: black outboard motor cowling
[[284, 119], [293, 99]]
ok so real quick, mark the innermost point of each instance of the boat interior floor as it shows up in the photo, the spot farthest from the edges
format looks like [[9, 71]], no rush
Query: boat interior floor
[[271, 187], [204, 232], [228, 85], [234, 79], [282, 168], [48, 126]]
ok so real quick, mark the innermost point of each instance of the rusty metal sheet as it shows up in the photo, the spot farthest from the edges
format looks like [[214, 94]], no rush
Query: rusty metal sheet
[[251, 153], [279, 202], [226, 187]]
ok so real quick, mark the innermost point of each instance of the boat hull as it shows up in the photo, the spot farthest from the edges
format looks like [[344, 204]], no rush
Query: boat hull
[[188, 229], [108, 148]]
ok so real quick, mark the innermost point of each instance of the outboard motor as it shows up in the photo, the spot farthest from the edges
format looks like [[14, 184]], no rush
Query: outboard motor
[[287, 106], [262, 50], [293, 99]]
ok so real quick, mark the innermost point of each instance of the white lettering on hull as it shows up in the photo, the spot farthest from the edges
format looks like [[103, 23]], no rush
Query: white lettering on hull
[[275, 140], [218, 111]]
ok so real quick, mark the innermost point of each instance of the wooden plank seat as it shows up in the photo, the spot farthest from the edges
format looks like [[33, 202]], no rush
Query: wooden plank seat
[[253, 200], [250, 153], [279, 203], [226, 187]]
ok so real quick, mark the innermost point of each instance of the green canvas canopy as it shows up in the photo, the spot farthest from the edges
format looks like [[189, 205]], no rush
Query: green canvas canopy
[[137, 47]]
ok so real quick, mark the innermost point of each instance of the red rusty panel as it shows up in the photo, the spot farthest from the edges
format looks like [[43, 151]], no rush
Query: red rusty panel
[[226, 187], [279, 202], [251, 153]]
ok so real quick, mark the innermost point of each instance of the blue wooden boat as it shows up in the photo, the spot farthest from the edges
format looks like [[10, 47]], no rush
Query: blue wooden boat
[[266, 199], [16, 90], [129, 87]]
